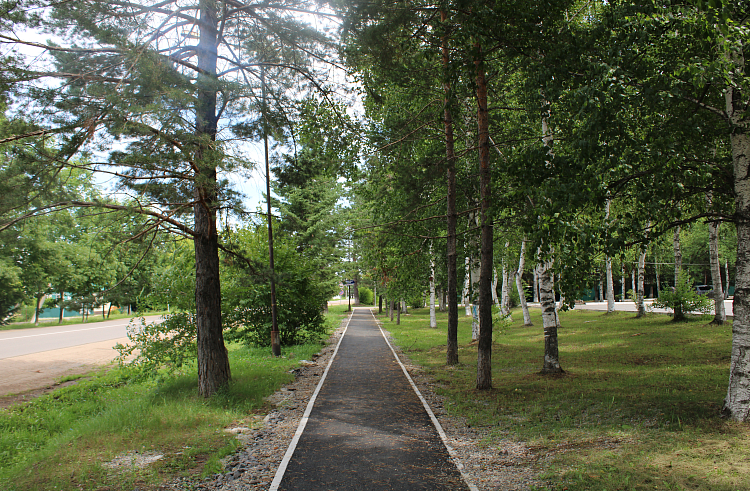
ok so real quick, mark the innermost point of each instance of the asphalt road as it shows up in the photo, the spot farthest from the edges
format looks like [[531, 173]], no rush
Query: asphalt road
[[27, 341]]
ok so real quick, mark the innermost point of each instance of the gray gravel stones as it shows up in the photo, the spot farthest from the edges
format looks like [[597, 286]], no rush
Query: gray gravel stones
[[504, 466]]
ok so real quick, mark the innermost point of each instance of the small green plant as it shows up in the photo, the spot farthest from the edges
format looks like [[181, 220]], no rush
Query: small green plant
[[683, 299], [365, 296]]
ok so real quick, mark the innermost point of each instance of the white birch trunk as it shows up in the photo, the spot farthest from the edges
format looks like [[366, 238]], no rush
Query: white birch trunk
[[633, 285], [536, 285], [737, 402], [467, 283], [519, 285], [678, 313], [726, 275], [622, 282], [720, 315], [551, 362], [495, 300], [610, 286], [641, 273]]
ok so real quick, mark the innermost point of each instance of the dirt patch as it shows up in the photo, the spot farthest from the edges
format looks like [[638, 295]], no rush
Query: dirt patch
[[29, 376]]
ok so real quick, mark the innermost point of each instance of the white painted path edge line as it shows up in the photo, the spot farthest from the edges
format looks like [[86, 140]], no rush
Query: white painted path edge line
[[303, 422], [438, 426]]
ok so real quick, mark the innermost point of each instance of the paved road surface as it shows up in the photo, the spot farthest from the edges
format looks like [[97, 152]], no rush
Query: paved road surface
[[368, 430], [27, 341], [630, 307], [31, 360]]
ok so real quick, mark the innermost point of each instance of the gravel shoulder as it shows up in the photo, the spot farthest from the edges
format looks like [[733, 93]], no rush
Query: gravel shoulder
[[504, 466], [28, 376]]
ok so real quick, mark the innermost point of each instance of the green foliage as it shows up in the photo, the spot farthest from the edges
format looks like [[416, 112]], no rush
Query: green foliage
[[247, 294], [683, 299], [11, 290], [365, 296], [160, 346]]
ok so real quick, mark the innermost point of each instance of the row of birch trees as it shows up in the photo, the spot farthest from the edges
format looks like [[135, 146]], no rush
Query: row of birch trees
[[574, 130]]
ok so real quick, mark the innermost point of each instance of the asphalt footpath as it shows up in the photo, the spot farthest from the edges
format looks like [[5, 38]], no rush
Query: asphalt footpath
[[367, 429]]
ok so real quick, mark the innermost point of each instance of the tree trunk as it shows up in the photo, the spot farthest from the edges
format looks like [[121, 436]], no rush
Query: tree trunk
[[452, 217], [678, 313], [713, 254], [726, 276], [433, 319], [639, 296], [622, 287], [495, 300], [658, 282], [536, 285], [549, 319], [484, 348], [356, 288], [610, 286], [62, 308], [37, 307], [519, 285], [737, 402], [213, 360], [467, 288], [380, 305], [398, 316]]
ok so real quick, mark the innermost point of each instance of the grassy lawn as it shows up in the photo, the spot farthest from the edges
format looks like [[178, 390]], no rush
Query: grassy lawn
[[60, 440], [638, 406]]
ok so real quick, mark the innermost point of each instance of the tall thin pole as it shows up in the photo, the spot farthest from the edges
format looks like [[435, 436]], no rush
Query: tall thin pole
[[275, 345]]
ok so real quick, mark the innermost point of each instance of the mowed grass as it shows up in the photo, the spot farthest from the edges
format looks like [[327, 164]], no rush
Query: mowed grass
[[638, 406], [62, 440]]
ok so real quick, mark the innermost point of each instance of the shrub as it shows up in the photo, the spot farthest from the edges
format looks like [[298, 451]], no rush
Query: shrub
[[365, 296], [683, 299]]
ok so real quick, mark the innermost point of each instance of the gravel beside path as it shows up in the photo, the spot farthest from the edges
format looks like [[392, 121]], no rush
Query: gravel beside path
[[507, 466]]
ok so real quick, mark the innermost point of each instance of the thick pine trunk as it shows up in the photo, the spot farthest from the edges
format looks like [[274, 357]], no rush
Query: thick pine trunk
[[213, 360], [484, 348], [452, 217], [720, 315], [519, 285], [737, 402]]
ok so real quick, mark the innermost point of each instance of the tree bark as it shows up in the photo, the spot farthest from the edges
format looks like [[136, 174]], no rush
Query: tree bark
[[639, 296], [62, 308], [678, 313], [484, 348], [213, 360], [495, 279], [433, 319], [737, 402], [720, 315], [467, 287], [519, 285], [551, 362], [452, 216]]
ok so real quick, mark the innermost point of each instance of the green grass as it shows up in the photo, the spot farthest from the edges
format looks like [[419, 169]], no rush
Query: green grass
[[74, 320], [638, 406], [60, 440]]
